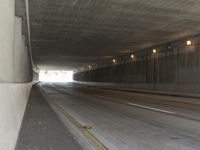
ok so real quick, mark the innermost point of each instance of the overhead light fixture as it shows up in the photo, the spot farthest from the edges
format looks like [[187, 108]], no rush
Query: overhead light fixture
[[114, 61], [154, 51], [89, 67], [189, 43], [132, 56]]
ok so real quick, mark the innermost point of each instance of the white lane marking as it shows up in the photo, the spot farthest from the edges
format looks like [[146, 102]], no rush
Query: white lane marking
[[138, 105], [151, 108]]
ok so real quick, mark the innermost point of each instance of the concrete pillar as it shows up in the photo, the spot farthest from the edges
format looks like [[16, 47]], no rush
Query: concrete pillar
[[18, 47], [22, 67], [13, 68], [25, 61], [22, 61], [6, 39]]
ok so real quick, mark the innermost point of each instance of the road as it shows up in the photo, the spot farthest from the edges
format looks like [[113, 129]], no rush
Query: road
[[131, 121]]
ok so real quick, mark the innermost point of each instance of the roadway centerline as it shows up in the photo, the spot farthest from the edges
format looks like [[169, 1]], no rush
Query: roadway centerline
[[87, 134]]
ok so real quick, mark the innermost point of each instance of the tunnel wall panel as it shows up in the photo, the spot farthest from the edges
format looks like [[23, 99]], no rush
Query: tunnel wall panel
[[175, 68], [15, 75], [22, 65], [13, 100]]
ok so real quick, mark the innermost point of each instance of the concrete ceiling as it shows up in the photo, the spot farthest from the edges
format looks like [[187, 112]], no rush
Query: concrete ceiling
[[71, 33]]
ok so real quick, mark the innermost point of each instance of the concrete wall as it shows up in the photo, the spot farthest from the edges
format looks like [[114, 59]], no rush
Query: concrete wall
[[21, 63], [35, 77], [13, 100], [15, 75], [6, 39], [176, 67]]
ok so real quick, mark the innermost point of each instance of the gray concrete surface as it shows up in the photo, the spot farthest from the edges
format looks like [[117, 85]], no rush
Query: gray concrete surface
[[13, 100], [15, 75], [15, 63], [22, 65], [6, 39], [41, 129], [174, 69], [144, 123], [71, 34]]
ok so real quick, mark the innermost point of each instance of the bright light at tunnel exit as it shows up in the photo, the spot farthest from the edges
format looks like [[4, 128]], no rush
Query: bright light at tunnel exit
[[55, 76]]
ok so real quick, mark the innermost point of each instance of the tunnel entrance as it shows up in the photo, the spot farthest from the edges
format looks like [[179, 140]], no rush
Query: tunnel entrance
[[55, 76]]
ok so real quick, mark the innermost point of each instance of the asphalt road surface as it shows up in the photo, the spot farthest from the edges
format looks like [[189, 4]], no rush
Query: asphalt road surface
[[131, 121]]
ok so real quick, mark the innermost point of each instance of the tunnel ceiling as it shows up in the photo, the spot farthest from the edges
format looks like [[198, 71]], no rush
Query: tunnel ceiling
[[71, 33]]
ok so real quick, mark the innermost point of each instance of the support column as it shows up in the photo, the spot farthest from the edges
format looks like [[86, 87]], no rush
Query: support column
[[18, 50], [15, 77], [6, 39]]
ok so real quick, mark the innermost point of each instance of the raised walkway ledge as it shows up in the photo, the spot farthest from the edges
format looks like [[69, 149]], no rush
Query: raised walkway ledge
[[41, 128]]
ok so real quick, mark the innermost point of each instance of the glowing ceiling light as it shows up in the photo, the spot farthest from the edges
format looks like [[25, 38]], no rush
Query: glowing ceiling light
[[132, 56], [189, 43], [114, 61], [154, 51], [89, 67]]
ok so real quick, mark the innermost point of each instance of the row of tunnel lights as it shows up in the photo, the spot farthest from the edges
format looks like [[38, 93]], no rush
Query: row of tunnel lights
[[132, 57], [154, 51]]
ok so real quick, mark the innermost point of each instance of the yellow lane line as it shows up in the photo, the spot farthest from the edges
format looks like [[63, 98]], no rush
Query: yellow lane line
[[88, 135]]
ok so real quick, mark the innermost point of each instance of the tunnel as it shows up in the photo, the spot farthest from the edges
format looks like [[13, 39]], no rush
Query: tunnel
[[99, 75]]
